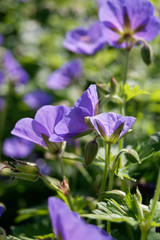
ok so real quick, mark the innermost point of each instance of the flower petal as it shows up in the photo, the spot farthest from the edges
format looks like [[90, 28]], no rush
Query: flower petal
[[75, 228], [71, 125], [112, 12], [49, 116], [150, 31], [89, 100], [24, 128]]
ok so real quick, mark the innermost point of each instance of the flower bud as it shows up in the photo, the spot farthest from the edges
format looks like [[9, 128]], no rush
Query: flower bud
[[27, 167], [116, 195], [27, 177], [90, 152], [114, 86], [146, 53], [132, 156]]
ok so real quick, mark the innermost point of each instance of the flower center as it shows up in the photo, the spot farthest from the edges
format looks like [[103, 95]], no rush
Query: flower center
[[86, 39]]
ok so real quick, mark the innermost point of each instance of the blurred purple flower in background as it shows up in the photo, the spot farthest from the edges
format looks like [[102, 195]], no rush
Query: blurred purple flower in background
[[43, 166], [14, 71], [68, 225], [100, 2], [1, 77], [1, 39], [2, 103], [17, 147], [106, 125], [73, 123], [128, 21], [63, 76], [86, 41], [37, 98], [1, 210], [39, 129]]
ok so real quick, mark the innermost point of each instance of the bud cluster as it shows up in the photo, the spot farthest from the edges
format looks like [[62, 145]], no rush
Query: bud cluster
[[23, 170]]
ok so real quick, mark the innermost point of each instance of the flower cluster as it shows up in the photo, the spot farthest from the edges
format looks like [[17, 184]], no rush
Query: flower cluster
[[59, 123]]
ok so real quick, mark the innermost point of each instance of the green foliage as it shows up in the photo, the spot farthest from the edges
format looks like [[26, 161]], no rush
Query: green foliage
[[132, 92]]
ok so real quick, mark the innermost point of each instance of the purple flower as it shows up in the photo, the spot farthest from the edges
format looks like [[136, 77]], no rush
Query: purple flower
[[1, 77], [111, 126], [43, 166], [1, 210], [63, 76], [1, 39], [39, 129], [68, 225], [17, 147], [73, 123], [128, 21], [37, 99], [2, 103], [86, 41], [100, 2], [13, 69]]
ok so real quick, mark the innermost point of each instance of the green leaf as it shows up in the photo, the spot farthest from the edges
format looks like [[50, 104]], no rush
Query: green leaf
[[124, 173], [131, 93], [112, 211], [25, 214], [152, 235]]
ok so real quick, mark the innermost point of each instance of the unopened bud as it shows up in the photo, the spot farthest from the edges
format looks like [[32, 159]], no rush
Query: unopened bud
[[90, 152], [146, 53], [132, 156], [138, 195], [64, 186], [27, 167], [26, 177], [114, 86], [116, 195]]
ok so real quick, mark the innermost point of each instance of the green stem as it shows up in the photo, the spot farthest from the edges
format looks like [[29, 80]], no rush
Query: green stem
[[106, 168], [125, 68], [67, 199], [49, 184], [111, 177], [62, 166], [144, 234], [155, 199], [145, 226]]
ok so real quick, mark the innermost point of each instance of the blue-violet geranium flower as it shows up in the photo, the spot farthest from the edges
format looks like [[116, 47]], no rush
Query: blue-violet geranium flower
[[86, 41], [111, 126], [39, 129], [128, 21]]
